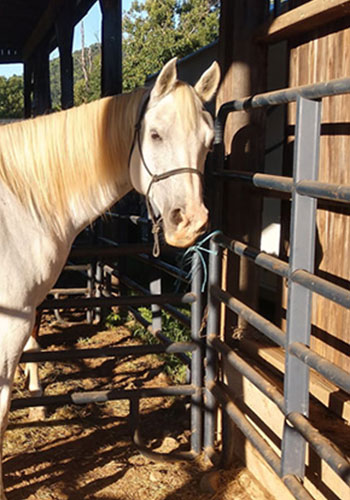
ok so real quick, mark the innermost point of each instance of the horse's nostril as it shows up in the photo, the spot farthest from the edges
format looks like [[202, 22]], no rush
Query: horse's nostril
[[176, 216]]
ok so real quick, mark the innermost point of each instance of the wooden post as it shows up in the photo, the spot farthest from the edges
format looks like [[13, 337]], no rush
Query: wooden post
[[42, 95], [243, 64], [28, 87], [111, 47], [64, 32]]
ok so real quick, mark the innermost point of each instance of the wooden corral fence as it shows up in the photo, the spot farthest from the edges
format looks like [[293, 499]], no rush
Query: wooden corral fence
[[266, 46]]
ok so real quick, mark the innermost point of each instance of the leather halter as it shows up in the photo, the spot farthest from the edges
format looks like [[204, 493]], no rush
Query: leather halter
[[156, 222]]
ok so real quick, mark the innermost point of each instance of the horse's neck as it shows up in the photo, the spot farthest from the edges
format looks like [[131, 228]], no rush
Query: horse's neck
[[80, 160], [82, 213]]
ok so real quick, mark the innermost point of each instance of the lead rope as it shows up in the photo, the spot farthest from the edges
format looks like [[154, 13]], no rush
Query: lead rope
[[199, 249]]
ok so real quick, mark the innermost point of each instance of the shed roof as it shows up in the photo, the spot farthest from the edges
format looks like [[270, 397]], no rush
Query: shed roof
[[24, 24]]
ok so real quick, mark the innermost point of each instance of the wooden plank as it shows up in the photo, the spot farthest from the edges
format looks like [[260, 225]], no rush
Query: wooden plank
[[321, 389], [302, 19]]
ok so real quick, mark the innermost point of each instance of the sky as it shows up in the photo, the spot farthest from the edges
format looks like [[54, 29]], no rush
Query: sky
[[92, 30]]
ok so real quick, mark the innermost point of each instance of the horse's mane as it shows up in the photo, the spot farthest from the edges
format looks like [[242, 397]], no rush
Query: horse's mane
[[188, 105], [49, 160]]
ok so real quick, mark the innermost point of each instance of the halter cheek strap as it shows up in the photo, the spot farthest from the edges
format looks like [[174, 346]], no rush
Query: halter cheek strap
[[156, 222]]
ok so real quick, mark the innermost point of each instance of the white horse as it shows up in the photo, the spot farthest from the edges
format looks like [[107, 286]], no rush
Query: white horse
[[61, 171]]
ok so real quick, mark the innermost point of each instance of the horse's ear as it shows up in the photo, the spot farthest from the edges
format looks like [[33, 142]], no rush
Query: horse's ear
[[208, 83], [165, 80]]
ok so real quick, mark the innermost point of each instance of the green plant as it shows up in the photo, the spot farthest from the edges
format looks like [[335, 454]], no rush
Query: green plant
[[175, 331], [114, 319]]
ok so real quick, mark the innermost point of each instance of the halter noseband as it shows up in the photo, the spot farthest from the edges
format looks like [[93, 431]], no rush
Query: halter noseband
[[156, 222]]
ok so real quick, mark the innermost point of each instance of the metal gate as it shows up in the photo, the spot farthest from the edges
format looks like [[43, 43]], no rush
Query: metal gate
[[305, 190], [106, 296]]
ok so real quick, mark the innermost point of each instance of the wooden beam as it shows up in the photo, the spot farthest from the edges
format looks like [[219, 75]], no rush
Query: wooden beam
[[10, 55], [28, 88], [302, 19], [45, 24], [16, 9], [111, 47], [41, 84], [64, 33]]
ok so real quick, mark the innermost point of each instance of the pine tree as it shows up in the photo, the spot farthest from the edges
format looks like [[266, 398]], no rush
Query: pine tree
[[157, 30]]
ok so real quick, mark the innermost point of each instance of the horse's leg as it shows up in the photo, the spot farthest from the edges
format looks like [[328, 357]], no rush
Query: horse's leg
[[31, 371], [14, 332]]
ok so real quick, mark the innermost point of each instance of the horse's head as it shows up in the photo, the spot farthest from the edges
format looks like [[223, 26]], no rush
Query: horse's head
[[174, 136]]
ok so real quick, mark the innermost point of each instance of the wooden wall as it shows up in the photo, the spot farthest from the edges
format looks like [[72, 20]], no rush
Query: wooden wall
[[320, 55]]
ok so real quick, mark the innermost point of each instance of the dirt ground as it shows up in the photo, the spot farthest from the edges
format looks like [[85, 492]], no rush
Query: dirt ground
[[86, 452]]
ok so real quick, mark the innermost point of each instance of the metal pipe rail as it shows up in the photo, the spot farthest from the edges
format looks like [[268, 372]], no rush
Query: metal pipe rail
[[135, 219], [314, 189], [278, 97], [238, 363], [330, 371], [108, 352], [259, 322], [220, 391], [285, 96], [112, 252], [187, 298], [259, 180], [163, 266], [80, 398], [333, 292], [322, 445], [167, 307], [324, 190], [159, 335], [262, 259], [155, 263]]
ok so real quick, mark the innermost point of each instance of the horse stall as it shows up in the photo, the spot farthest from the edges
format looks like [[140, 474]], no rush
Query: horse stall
[[266, 292], [278, 355]]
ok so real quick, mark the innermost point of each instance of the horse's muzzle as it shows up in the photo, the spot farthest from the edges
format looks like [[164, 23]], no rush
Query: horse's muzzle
[[182, 228]]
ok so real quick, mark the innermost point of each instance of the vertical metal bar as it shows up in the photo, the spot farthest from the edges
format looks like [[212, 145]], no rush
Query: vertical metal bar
[[89, 285], [155, 287], [56, 311], [302, 256], [98, 289], [197, 356], [214, 278]]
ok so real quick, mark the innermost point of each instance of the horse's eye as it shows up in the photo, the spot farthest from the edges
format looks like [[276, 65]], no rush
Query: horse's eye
[[155, 136]]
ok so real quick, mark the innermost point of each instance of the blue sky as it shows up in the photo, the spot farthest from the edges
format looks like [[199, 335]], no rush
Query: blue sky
[[92, 29]]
